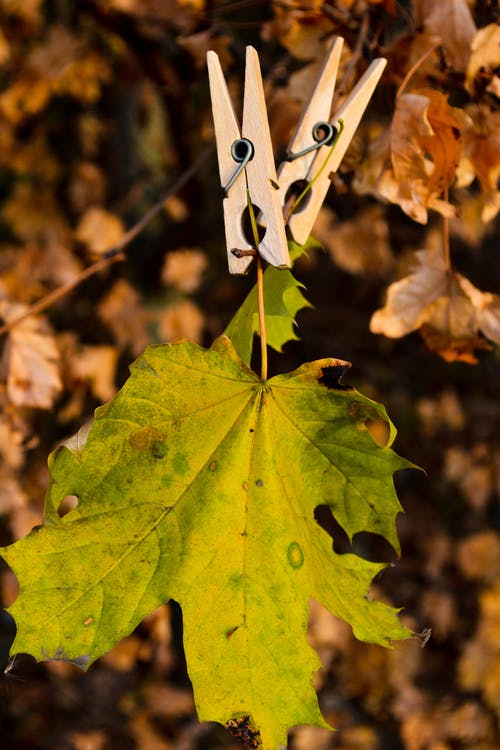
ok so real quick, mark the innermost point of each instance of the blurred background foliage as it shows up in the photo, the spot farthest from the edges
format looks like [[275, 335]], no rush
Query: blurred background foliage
[[104, 108]]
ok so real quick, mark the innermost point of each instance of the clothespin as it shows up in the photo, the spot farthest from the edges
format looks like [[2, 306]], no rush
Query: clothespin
[[320, 142], [246, 167]]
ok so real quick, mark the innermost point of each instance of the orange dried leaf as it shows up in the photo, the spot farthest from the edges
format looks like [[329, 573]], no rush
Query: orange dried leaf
[[485, 56], [183, 268], [444, 145], [97, 366], [122, 311], [99, 229], [424, 152], [30, 360], [359, 245], [481, 157], [408, 299]]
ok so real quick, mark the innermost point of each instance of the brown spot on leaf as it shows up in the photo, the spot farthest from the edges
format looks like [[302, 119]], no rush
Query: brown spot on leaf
[[242, 730], [332, 375], [89, 621], [149, 439]]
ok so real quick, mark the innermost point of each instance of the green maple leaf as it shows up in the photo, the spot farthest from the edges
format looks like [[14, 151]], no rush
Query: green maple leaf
[[198, 482], [284, 299]]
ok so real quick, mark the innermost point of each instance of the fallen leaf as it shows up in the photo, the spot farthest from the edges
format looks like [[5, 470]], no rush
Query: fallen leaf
[[30, 360], [424, 150], [479, 556], [450, 311], [99, 229], [181, 319], [97, 366], [184, 268], [359, 245], [122, 311], [452, 21], [481, 157], [484, 59], [301, 29]]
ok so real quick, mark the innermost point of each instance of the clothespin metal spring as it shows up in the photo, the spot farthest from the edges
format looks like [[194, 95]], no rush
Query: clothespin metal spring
[[242, 151], [323, 133]]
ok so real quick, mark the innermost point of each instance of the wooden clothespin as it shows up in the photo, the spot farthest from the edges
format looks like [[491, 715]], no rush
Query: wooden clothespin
[[320, 141], [246, 167]]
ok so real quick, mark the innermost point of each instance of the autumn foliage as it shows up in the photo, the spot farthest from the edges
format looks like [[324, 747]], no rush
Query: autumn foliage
[[104, 110]]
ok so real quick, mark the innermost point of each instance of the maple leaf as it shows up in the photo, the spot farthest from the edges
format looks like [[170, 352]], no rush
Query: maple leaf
[[284, 299], [30, 360], [449, 310], [198, 482]]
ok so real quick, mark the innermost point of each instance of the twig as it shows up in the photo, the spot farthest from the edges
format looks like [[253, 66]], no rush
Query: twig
[[115, 253], [260, 292], [415, 67]]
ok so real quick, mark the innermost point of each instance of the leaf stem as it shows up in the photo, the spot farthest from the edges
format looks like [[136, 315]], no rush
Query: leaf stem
[[446, 238], [260, 292], [262, 319]]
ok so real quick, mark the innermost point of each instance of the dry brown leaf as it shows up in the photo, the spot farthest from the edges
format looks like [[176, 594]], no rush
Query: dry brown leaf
[[24, 98], [424, 151], [479, 556], [91, 740], [146, 737], [359, 245], [481, 157], [181, 319], [87, 186], [452, 21], [485, 57], [300, 27], [29, 270], [29, 11], [97, 366], [449, 310], [408, 299], [443, 411], [123, 313], [475, 471], [63, 60], [439, 612], [30, 360], [99, 229], [34, 214], [12, 497], [184, 268], [479, 665], [444, 145]]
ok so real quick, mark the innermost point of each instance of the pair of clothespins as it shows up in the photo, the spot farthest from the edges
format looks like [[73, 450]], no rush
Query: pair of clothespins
[[246, 162]]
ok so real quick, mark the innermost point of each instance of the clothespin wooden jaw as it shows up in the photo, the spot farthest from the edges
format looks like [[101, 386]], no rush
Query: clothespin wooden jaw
[[314, 166], [256, 180], [246, 163]]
